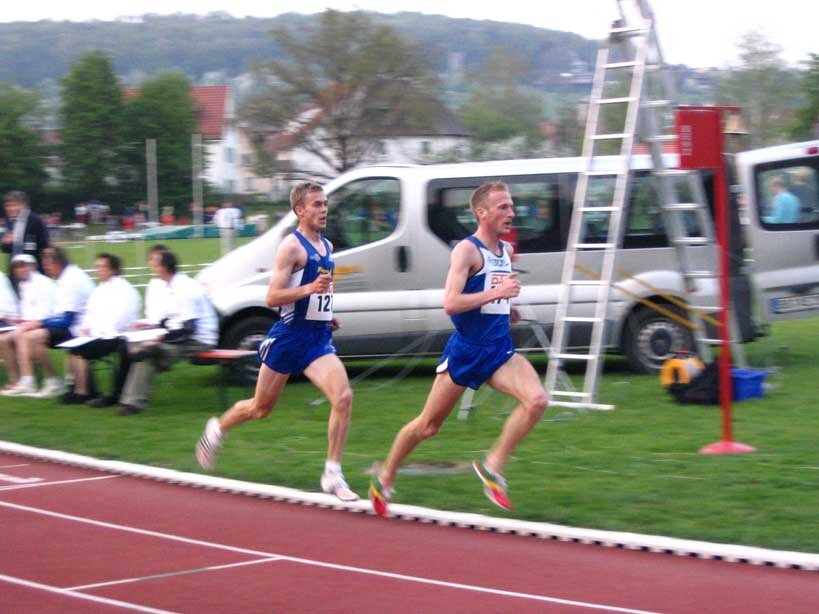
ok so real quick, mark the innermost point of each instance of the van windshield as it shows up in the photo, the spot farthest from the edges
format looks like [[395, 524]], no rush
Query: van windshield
[[363, 211]]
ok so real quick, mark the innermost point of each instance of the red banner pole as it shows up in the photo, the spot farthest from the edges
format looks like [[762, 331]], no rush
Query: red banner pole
[[725, 387], [721, 204]]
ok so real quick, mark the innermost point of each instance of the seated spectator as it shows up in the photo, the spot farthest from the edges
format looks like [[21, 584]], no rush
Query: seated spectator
[[803, 186], [9, 307], [112, 309], [38, 295], [155, 291], [191, 324], [785, 207], [35, 337]]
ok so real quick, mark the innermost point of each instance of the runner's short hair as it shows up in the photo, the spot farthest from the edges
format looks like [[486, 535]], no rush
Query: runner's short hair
[[480, 197], [300, 190]]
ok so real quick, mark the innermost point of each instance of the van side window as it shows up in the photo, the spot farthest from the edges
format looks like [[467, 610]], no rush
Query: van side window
[[786, 194], [363, 211], [644, 225], [537, 204], [537, 207]]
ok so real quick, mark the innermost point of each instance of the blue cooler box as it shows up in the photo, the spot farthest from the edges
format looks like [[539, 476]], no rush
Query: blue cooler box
[[747, 383]]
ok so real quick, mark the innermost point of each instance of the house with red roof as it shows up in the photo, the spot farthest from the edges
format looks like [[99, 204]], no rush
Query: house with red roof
[[216, 117], [216, 113]]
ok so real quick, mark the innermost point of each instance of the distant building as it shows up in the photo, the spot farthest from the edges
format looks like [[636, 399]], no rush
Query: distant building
[[216, 115], [216, 118]]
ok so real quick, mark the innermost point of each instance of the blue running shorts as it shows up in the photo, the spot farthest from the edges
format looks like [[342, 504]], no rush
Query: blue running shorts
[[471, 364], [291, 349]]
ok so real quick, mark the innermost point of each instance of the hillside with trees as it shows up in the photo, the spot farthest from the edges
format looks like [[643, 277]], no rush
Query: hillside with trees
[[196, 45]]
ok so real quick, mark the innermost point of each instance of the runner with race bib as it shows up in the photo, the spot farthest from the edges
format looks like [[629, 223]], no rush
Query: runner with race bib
[[301, 341]]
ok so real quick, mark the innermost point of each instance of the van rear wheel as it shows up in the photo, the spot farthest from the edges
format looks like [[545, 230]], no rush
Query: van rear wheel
[[247, 334], [650, 338]]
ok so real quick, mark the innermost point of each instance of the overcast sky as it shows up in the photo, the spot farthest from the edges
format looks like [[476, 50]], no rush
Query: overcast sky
[[693, 32]]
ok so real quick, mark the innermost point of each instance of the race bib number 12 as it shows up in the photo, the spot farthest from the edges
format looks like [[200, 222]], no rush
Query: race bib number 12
[[320, 307]]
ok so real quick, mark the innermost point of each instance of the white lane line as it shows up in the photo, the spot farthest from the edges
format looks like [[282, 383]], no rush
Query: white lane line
[[68, 593], [469, 587], [361, 570], [173, 573], [14, 479], [38, 484], [127, 529]]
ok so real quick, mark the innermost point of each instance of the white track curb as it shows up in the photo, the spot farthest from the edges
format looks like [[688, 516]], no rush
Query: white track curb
[[612, 539]]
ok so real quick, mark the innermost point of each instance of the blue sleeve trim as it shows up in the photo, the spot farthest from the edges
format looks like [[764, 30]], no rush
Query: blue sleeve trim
[[61, 320]]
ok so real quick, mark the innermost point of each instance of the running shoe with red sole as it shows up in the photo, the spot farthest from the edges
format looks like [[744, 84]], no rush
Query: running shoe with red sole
[[380, 496], [494, 486]]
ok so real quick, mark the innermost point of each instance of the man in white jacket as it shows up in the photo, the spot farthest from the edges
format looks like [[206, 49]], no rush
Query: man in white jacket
[[38, 296], [35, 337], [191, 324], [111, 310]]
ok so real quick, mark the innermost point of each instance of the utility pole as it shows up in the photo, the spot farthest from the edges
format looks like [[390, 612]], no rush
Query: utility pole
[[198, 205], [153, 195]]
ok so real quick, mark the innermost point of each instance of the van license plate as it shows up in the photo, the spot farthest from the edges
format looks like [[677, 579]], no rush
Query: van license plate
[[787, 304]]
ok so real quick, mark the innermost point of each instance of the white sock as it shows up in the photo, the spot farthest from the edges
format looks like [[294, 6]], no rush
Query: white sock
[[27, 380], [332, 467], [54, 381], [216, 428]]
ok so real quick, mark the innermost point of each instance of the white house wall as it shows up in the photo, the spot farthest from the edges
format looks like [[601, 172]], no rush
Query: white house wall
[[222, 156]]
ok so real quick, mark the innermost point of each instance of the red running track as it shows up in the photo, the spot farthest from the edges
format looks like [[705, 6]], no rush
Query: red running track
[[75, 540]]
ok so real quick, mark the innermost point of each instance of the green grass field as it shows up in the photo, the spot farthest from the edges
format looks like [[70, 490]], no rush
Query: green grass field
[[633, 469], [196, 252]]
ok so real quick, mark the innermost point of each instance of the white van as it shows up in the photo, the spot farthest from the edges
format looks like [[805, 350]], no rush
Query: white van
[[393, 227]]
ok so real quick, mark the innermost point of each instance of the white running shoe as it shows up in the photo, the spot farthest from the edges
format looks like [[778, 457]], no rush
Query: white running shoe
[[52, 388], [209, 444], [334, 484], [20, 390]]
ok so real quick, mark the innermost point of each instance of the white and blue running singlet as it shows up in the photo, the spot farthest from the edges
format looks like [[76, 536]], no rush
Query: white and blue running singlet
[[315, 310], [489, 322]]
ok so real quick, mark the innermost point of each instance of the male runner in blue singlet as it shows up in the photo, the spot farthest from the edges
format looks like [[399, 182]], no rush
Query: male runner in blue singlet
[[301, 341], [477, 296]]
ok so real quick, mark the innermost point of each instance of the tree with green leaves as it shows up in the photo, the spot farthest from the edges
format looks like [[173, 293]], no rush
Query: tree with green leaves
[[162, 109], [806, 123], [764, 87], [21, 155], [92, 125], [499, 108], [569, 129], [338, 91]]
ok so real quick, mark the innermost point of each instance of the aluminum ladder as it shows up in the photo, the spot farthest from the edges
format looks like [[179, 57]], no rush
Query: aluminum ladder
[[631, 53]]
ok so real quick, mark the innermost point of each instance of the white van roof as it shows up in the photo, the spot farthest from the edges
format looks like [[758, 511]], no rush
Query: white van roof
[[501, 168], [780, 152]]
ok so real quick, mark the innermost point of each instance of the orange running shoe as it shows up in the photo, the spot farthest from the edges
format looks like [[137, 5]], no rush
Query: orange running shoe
[[494, 486]]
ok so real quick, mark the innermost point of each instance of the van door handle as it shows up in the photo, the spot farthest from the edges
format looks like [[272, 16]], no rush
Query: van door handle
[[402, 258]]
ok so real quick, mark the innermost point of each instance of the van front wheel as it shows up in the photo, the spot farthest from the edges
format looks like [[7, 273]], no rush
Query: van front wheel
[[650, 338], [247, 334]]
